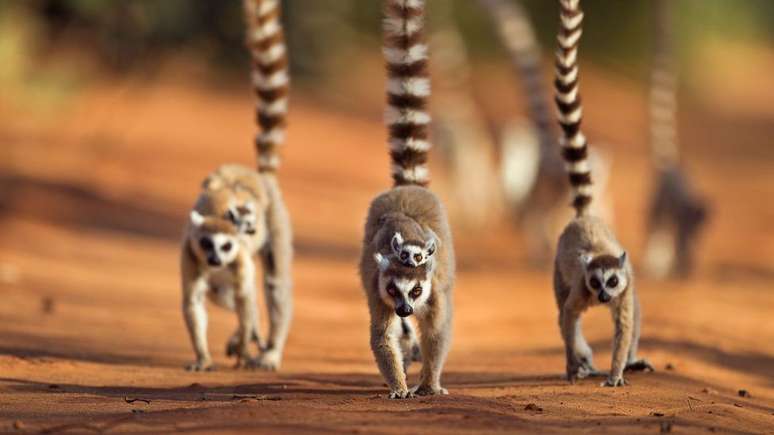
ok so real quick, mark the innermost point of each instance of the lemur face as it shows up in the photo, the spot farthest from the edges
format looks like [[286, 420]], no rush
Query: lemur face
[[244, 216], [404, 288], [606, 276], [413, 253], [215, 241]]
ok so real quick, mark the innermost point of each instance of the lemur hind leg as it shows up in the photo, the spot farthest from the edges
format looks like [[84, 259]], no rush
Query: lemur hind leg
[[233, 344], [409, 345], [276, 258]]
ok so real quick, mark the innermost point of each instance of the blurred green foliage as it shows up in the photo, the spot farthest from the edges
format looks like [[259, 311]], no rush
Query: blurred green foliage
[[325, 34]]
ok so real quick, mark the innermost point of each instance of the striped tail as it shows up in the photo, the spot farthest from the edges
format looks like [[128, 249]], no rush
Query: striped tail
[[663, 90], [270, 78], [573, 142], [408, 88], [518, 37]]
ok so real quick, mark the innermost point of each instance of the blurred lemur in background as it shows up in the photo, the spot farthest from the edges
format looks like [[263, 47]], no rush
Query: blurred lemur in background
[[677, 213], [532, 173], [240, 215]]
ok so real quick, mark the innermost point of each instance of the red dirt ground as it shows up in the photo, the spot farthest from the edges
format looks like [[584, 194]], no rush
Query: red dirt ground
[[92, 206]]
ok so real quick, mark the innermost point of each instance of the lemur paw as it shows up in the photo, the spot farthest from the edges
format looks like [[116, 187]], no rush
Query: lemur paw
[[427, 390], [614, 382], [233, 345], [269, 360], [244, 362], [641, 365], [401, 393], [583, 372], [201, 366]]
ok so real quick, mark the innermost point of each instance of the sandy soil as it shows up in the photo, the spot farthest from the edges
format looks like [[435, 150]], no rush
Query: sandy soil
[[92, 339]]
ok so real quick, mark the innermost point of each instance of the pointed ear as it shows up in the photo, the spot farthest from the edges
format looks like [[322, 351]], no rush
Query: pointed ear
[[432, 242], [585, 259], [622, 259], [396, 243], [196, 218], [381, 261]]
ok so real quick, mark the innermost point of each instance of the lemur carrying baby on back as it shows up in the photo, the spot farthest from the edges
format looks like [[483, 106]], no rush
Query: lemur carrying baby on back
[[240, 215], [591, 267], [407, 261]]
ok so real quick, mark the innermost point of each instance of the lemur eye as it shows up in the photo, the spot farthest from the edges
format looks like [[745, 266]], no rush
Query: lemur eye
[[417, 257], [226, 247], [612, 282], [206, 243], [391, 290], [595, 284], [416, 292], [404, 256]]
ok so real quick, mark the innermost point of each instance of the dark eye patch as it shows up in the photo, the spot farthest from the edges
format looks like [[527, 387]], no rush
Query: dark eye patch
[[404, 255], [595, 283], [612, 282], [206, 243], [226, 247], [416, 292], [392, 290]]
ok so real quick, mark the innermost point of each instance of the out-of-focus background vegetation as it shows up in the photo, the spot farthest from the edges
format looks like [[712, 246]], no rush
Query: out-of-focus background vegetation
[[49, 48]]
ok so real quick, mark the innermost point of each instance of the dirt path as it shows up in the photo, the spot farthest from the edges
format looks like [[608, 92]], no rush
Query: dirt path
[[89, 319]]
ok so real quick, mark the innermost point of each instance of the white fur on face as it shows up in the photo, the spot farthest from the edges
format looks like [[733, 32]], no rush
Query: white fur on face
[[604, 276], [221, 242], [411, 253], [404, 287]]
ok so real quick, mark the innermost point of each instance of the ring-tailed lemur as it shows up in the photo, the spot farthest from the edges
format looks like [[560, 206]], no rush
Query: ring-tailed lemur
[[677, 213], [252, 202], [395, 290], [533, 176], [216, 263], [591, 267]]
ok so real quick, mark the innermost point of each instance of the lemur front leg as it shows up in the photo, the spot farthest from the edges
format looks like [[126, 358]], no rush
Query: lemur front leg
[[434, 342], [195, 315], [385, 344], [632, 363], [247, 315], [623, 319]]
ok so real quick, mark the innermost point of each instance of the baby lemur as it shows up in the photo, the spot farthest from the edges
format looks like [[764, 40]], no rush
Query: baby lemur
[[591, 267], [240, 215], [407, 261]]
